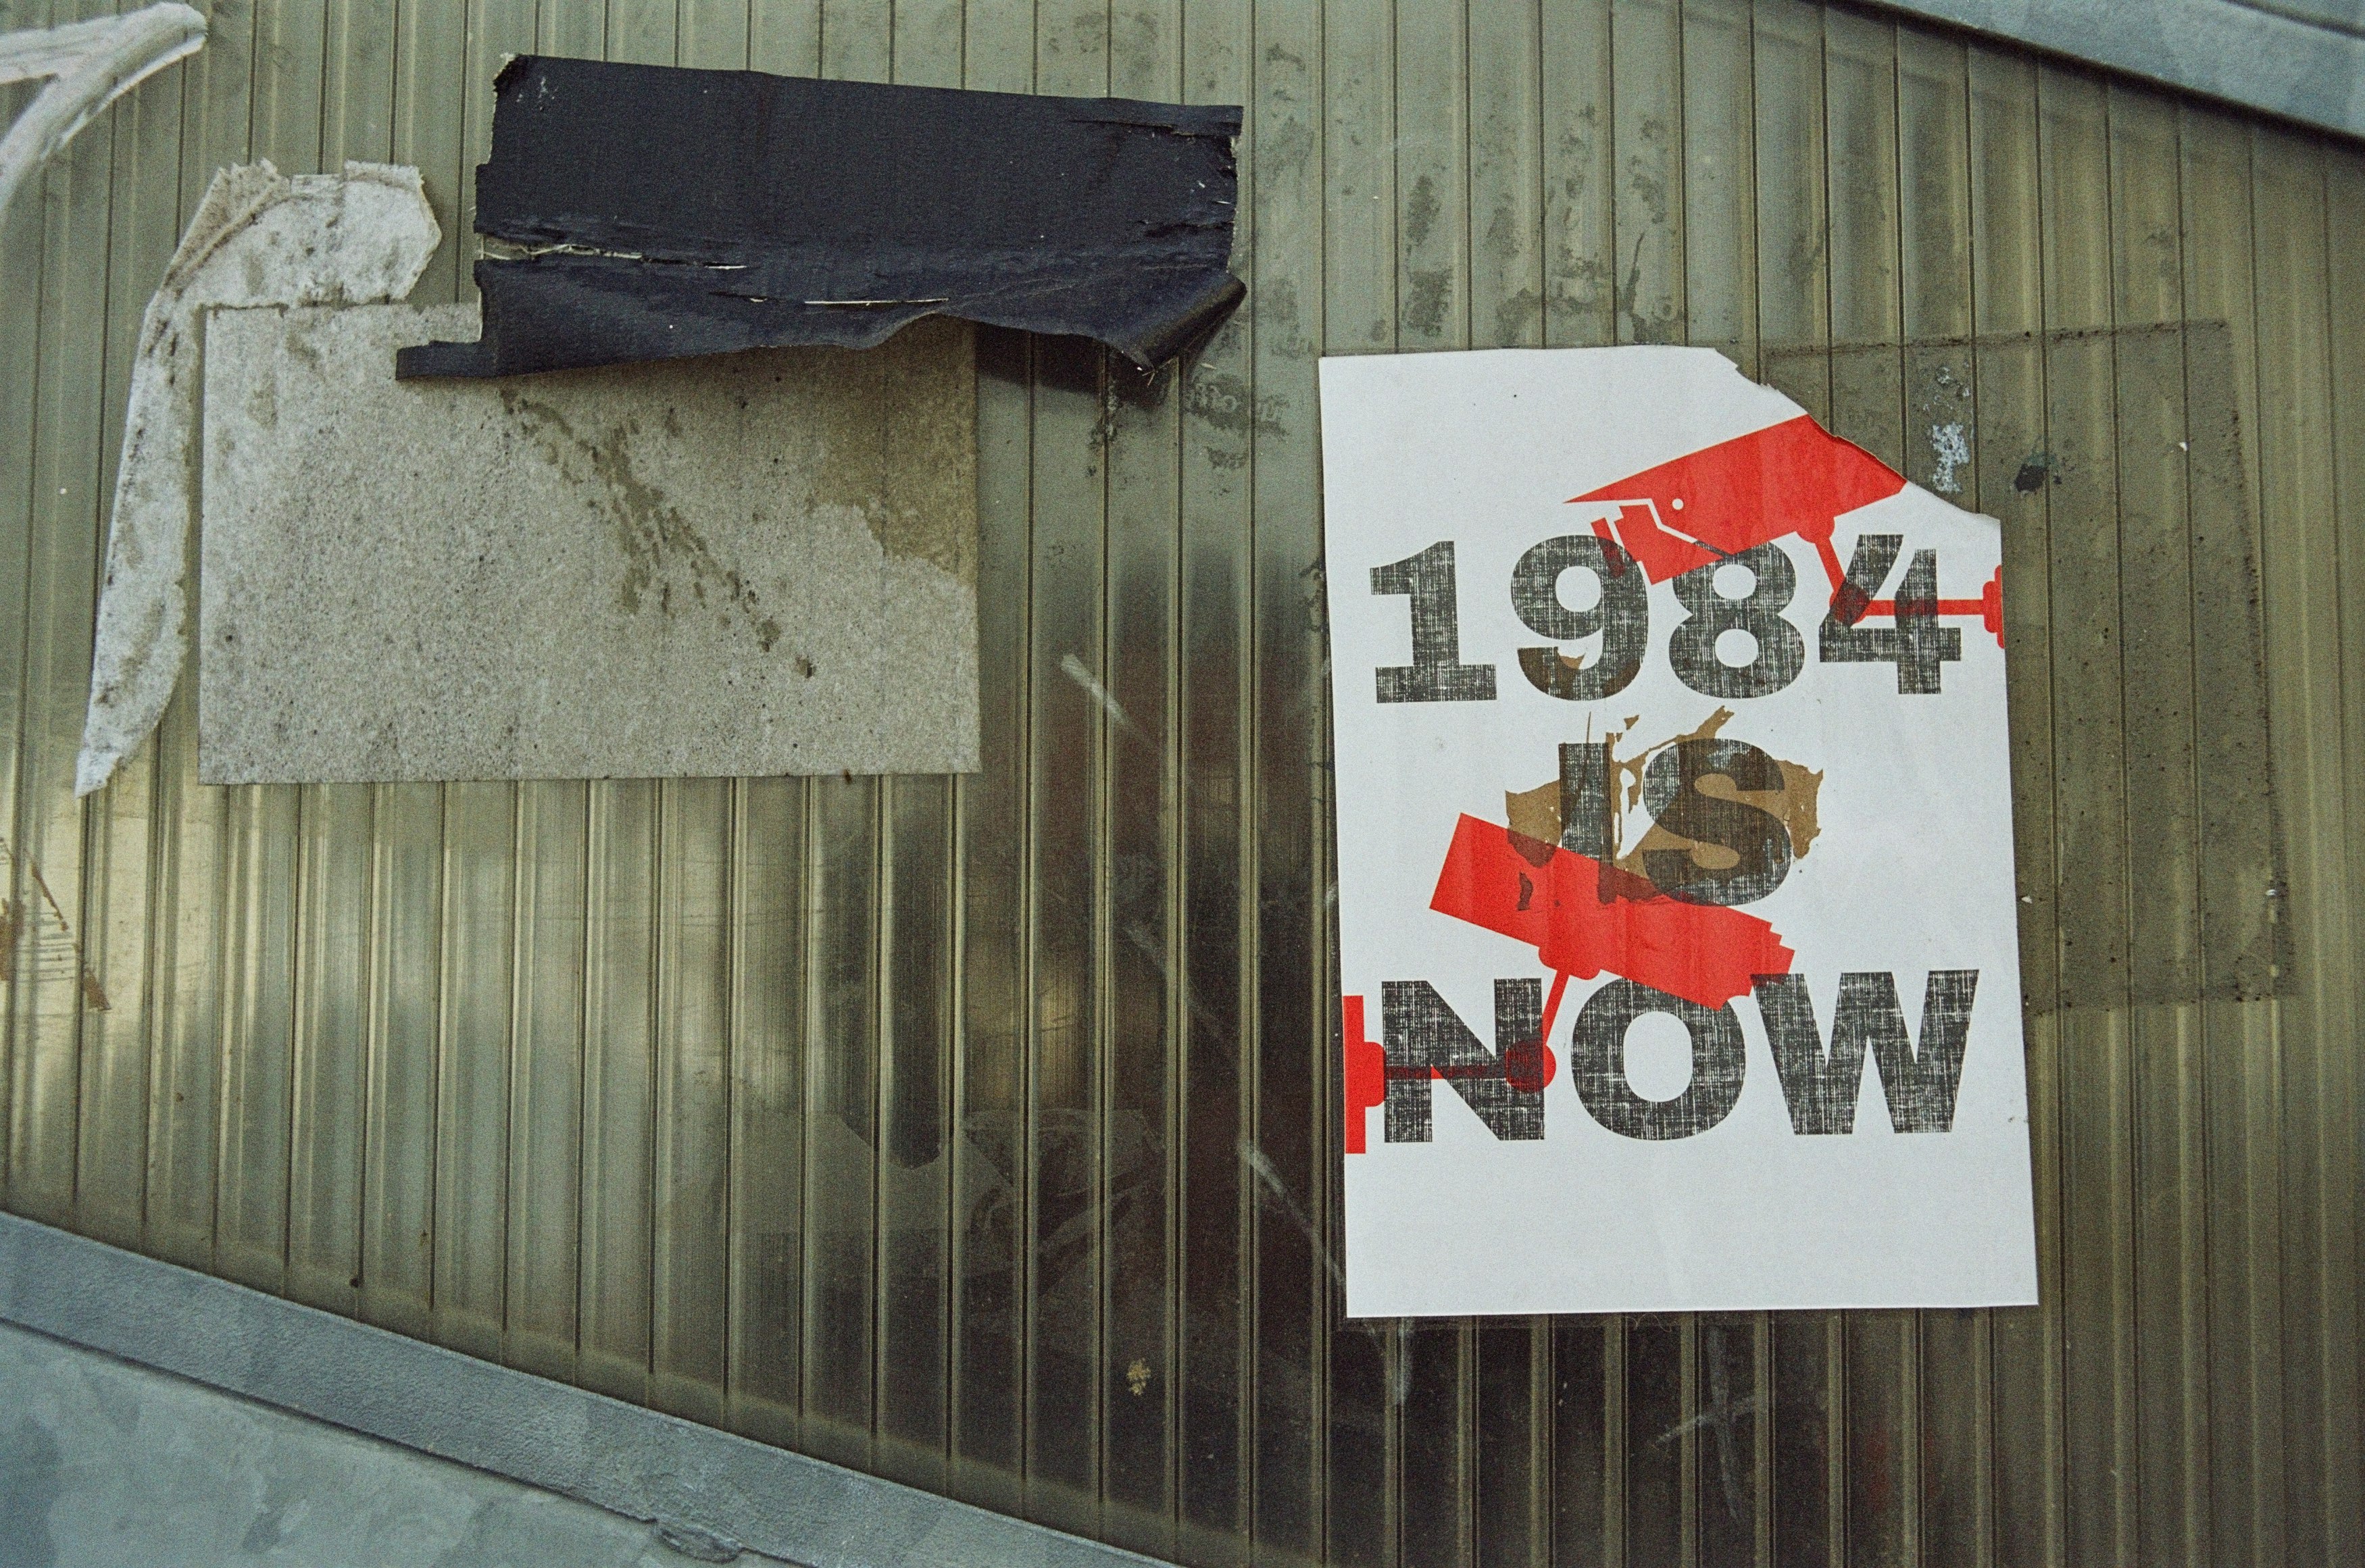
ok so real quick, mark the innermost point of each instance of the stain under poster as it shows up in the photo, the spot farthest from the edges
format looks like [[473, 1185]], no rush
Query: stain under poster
[[1676, 897]]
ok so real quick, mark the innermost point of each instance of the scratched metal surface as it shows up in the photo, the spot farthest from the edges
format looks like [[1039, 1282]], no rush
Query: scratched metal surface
[[981, 1132]]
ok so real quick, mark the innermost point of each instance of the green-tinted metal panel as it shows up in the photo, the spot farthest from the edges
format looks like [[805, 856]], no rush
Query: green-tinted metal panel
[[982, 1131]]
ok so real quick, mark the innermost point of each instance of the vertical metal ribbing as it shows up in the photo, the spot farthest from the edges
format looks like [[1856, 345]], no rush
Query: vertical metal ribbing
[[333, 1013]]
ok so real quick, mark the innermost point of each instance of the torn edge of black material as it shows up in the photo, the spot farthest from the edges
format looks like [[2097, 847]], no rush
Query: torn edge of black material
[[664, 212]]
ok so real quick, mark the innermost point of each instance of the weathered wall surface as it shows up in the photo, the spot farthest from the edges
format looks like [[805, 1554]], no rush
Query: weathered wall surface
[[983, 1131]]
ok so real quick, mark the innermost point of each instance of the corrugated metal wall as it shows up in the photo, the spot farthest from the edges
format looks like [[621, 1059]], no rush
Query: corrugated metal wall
[[981, 1132]]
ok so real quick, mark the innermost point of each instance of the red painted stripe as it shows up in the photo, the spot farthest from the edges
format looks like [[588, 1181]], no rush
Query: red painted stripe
[[1552, 899], [1367, 1072]]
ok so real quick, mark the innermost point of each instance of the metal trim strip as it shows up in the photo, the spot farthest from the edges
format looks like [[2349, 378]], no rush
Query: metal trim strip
[[621, 1457], [2259, 54]]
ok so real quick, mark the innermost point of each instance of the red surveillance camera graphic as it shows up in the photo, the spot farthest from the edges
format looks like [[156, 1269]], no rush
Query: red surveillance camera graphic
[[1792, 477]]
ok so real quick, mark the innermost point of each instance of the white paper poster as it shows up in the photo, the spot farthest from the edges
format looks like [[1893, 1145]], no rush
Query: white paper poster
[[1676, 897]]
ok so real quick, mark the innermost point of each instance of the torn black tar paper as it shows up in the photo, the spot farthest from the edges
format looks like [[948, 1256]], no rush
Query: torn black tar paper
[[658, 212]]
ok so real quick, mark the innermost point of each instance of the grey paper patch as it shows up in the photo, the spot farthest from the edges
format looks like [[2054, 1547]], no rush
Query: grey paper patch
[[258, 239], [754, 564]]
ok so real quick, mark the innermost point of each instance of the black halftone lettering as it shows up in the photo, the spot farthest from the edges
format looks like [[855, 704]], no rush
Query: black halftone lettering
[[1781, 652], [1762, 840], [1437, 673], [1821, 1090], [1920, 1086], [1584, 799], [1597, 1063], [1918, 644], [1424, 1040], [1622, 617]]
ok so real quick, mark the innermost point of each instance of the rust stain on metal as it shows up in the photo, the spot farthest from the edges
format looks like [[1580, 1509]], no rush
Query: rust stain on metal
[[52, 941], [663, 551]]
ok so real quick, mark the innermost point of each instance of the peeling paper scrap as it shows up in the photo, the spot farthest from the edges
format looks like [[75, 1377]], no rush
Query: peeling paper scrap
[[89, 64], [259, 238], [754, 566], [38, 943], [744, 209]]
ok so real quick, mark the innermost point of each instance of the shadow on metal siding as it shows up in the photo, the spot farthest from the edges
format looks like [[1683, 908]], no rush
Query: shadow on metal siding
[[979, 1131]]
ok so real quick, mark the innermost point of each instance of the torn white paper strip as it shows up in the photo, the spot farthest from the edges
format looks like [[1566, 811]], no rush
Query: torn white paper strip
[[750, 564], [89, 64], [259, 238]]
